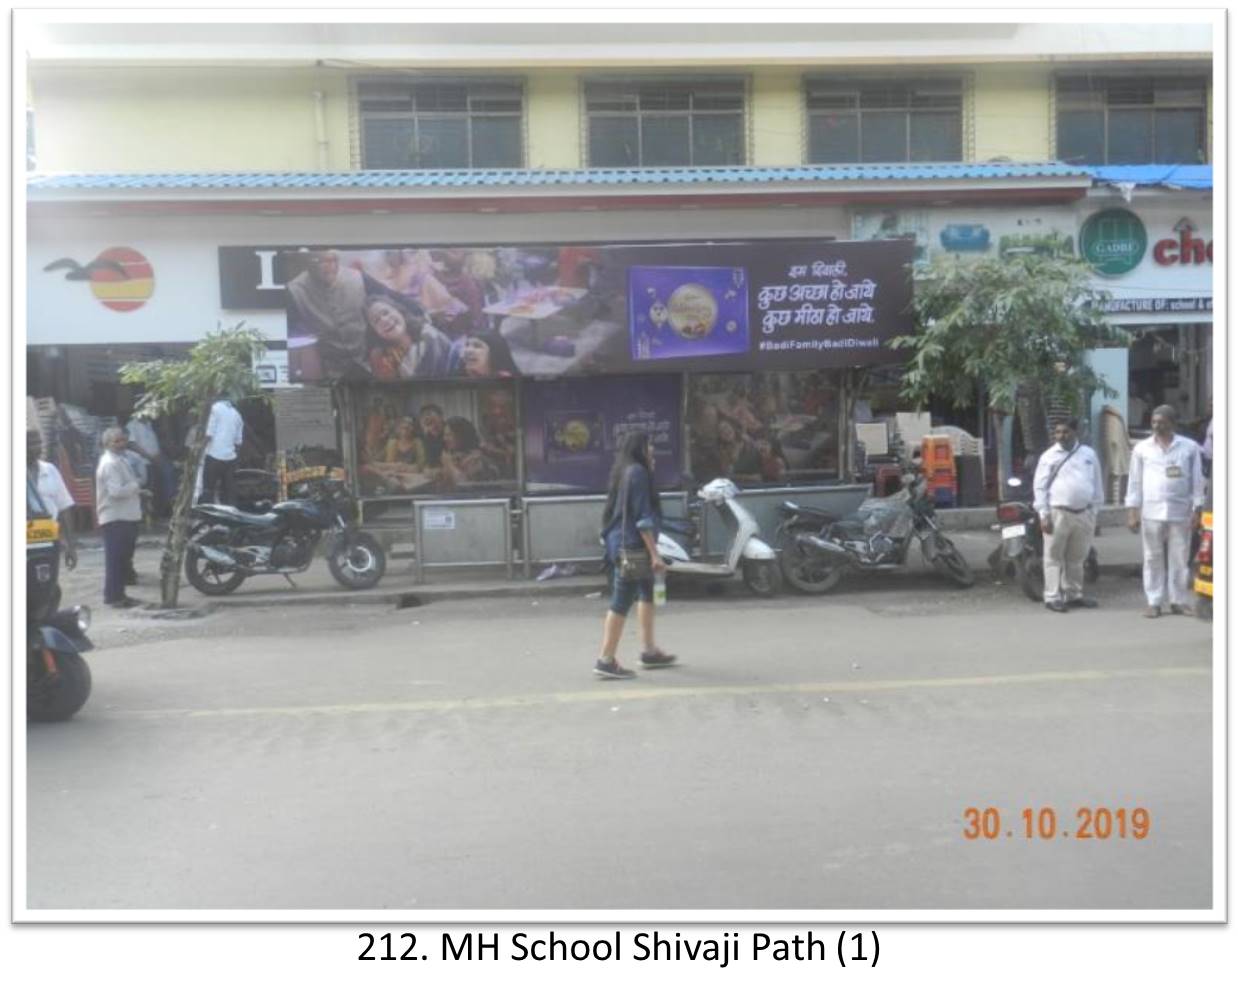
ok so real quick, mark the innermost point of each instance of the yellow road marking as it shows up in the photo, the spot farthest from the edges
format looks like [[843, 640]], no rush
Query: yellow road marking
[[610, 693]]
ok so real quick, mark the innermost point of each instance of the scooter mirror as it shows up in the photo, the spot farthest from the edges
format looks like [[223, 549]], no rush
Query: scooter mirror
[[1014, 482]]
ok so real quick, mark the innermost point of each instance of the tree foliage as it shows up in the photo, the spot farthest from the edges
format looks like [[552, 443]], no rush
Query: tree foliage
[[221, 365], [1007, 323]]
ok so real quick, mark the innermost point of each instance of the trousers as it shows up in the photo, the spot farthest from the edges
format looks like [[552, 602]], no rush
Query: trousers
[[1066, 548], [1166, 554], [120, 539], [219, 481]]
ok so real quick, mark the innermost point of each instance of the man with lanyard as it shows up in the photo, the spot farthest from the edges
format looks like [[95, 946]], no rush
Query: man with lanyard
[[50, 487], [1068, 491], [1166, 492]]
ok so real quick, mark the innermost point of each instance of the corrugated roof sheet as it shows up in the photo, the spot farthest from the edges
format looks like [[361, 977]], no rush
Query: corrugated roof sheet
[[696, 176], [1153, 175]]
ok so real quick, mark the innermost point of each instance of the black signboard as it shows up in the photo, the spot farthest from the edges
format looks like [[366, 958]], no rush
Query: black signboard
[[399, 313]]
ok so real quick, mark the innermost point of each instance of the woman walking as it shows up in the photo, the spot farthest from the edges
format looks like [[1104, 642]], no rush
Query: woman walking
[[631, 521]]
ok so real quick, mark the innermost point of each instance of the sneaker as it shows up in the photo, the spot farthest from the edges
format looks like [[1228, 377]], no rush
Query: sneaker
[[656, 658], [124, 603], [612, 669]]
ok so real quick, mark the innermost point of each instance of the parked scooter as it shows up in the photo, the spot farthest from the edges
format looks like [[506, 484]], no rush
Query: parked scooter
[[818, 547], [57, 676], [748, 554], [227, 545], [1022, 550]]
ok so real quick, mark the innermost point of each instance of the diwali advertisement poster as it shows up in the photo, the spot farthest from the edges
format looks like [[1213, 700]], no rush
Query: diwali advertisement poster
[[489, 313], [572, 428]]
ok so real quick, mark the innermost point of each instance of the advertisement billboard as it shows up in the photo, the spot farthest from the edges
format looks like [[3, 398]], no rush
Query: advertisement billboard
[[410, 313]]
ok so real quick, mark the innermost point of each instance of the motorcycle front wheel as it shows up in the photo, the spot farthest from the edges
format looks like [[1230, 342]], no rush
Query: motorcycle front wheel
[[207, 576], [52, 697], [952, 565], [762, 577], [358, 562], [806, 573]]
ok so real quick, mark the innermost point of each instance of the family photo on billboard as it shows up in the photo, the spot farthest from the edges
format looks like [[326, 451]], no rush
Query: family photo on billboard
[[392, 314], [436, 440]]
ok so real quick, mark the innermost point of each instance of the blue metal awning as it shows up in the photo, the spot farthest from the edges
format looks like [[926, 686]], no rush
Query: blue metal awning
[[1153, 175], [697, 177]]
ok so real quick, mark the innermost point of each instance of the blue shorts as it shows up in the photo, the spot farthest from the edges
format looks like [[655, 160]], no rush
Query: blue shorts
[[627, 592]]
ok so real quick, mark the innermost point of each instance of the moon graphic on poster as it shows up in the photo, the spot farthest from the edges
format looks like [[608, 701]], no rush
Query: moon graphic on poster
[[693, 311]]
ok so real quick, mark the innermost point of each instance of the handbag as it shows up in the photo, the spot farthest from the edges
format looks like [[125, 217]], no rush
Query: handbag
[[634, 565]]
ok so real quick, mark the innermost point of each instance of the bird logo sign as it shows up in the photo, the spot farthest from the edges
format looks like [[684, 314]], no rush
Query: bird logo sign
[[120, 278]]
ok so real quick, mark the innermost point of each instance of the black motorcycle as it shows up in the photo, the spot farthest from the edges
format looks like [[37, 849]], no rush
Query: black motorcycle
[[1021, 554], [817, 547], [226, 545], [57, 677]]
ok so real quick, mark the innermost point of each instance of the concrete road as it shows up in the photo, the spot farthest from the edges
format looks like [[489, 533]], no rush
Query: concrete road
[[811, 753]]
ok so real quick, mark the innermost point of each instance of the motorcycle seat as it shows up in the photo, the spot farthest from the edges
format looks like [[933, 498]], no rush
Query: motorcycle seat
[[231, 514], [808, 512]]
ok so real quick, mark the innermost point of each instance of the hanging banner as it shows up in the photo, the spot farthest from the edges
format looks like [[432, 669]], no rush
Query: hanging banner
[[398, 314]]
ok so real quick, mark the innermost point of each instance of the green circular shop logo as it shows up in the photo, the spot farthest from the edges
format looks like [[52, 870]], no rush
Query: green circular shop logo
[[1113, 242]]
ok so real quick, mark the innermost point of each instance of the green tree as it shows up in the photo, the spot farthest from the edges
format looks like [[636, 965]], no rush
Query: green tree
[[221, 365], [1015, 327]]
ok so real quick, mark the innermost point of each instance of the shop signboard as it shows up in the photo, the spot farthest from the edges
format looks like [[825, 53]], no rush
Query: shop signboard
[[1156, 267], [573, 426], [400, 314]]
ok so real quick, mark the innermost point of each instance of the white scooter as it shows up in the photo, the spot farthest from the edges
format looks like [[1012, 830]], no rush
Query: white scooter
[[748, 553]]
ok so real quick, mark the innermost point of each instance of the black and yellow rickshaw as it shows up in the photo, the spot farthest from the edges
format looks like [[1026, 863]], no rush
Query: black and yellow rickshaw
[[57, 677], [1203, 568]]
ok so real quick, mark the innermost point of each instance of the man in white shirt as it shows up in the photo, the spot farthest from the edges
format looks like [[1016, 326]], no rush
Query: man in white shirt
[[157, 469], [224, 430], [119, 507], [1068, 491], [1166, 493], [50, 487]]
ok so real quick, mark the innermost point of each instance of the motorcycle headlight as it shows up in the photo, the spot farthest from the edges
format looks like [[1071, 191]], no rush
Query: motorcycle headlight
[[81, 616]]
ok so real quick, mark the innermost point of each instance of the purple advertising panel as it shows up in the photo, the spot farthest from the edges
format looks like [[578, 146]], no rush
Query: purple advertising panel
[[572, 427], [391, 314]]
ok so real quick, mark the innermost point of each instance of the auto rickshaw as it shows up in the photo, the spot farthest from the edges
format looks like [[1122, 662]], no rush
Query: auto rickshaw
[[57, 677], [1203, 569]]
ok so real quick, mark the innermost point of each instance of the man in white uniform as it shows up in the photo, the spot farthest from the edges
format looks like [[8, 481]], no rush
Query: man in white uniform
[[1068, 492], [224, 430], [1166, 493], [52, 493]]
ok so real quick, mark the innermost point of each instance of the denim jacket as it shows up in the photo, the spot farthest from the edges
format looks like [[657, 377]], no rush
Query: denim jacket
[[641, 515]]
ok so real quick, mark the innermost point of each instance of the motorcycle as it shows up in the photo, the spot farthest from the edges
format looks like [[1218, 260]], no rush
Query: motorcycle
[[748, 554], [227, 545], [1022, 550], [817, 547], [57, 676]]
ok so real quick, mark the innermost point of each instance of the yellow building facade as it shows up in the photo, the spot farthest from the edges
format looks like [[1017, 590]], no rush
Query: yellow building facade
[[144, 119]]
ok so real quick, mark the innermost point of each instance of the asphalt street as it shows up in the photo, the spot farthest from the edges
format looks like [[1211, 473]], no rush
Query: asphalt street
[[809, 754]]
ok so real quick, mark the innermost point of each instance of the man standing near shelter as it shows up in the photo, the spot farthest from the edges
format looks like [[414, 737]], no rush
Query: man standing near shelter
[[1166, 494], [119, 507], [50, 487], [1068, 491], [224, 430]]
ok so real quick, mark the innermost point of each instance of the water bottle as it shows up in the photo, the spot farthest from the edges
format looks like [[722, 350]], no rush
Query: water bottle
[[659, 590]]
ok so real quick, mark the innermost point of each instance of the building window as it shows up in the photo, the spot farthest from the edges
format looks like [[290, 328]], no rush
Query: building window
[[441, 125], [666, 123], [1131, 119], [884, 120]]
